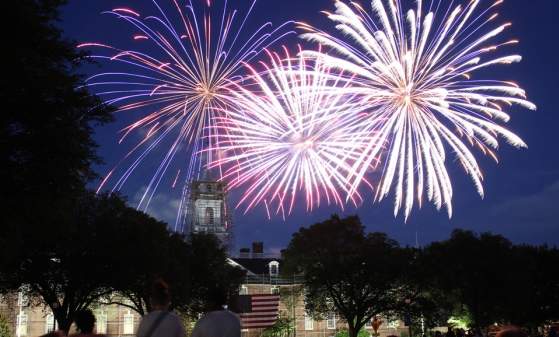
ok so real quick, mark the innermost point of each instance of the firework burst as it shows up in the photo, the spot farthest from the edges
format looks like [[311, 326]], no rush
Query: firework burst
[[178, 75], [416, 75], [296, 132]]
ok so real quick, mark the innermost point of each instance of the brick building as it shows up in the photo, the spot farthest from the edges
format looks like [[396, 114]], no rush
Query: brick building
[[28, 318], [263, 277]]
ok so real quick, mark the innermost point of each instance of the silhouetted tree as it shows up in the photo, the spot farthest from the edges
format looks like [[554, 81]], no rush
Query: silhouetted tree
[[190, 265], [46, 135], [210, 268], [346, 271], [70, 267], [533, 286], [475, 269], [108, 251]]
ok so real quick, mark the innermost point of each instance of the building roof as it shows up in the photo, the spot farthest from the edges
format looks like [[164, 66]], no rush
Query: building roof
[[255, 265]]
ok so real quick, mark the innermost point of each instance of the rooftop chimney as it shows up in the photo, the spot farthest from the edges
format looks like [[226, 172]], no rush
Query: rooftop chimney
[[257, 249], [244, 252]]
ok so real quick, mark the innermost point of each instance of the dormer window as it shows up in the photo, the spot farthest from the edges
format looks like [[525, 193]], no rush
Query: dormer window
[[274, 268]]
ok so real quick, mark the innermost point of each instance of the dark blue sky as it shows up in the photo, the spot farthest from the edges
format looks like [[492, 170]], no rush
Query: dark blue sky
[[522, 191]]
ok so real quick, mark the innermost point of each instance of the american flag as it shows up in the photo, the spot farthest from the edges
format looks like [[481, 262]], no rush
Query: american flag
[[263, 313]]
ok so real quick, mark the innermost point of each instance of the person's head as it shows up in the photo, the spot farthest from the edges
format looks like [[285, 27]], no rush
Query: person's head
[[85, 320], [512, 332], [160, 296], [217, 298]]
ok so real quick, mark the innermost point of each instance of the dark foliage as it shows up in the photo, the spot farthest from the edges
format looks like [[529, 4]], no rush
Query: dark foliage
[[71, 265], [46, 135], [346, 271], [103, 251], [493, 280]]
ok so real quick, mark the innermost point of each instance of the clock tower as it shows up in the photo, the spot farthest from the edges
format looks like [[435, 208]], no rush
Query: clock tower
[[207, 209]]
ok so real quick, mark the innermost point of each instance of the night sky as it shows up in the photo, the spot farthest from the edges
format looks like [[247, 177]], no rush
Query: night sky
[[521, 191]]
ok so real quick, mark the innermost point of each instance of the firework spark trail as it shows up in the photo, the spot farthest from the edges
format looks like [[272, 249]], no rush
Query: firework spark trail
[[296, 133], [183, 85], [415, 73]]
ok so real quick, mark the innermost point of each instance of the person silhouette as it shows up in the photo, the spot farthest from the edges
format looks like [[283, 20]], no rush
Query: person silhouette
[[218, 321], [160, 322], [85, 321]]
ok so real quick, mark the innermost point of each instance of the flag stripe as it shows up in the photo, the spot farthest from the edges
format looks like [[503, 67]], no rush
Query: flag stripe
[[264, 312]]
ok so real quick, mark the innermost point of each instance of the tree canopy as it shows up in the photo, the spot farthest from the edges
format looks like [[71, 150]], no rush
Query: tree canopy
[[191, 265], [356, 274], [46, 126], [107, 252], [495, 280]]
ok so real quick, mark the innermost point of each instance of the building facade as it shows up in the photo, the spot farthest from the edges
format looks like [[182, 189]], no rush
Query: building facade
[[263, 277], [29, 318]]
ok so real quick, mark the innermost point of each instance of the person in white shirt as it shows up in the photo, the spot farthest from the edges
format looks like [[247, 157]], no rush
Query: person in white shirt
[[218, 322], [160, 322]]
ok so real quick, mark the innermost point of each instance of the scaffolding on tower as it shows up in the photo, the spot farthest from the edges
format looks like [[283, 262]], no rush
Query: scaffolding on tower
[[206, 208]]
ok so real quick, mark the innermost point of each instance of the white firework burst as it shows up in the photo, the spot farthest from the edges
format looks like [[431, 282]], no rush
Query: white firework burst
[[415, 73], [296, 132]]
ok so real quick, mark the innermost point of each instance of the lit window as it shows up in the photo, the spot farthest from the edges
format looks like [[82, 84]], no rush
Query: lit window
[[101, 324], [331, 321], [309, 323], [275, 290], [274, 268], [128, 328], [50, 324], [243, 290], [393, 324], [209, 216], [21, 324]]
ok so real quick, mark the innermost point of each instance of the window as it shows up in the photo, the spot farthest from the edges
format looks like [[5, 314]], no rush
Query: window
[[209, 216], [50, 324], [209, 187], [393, 324], [21, 324], [275, 290], [243, 290], [101, 324], [368, 324], [128, 328], [331, 321], [309, 323], [274, 268]]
